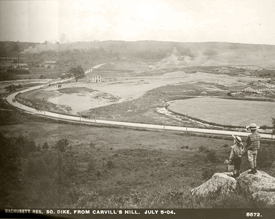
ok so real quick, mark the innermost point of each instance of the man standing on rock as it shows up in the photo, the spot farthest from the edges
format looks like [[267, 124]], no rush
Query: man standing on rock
[[252, 146]]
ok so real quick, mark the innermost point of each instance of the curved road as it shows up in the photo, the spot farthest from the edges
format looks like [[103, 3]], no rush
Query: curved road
[[10, 99]]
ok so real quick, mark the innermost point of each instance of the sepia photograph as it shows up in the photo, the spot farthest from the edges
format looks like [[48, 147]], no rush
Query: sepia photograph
[[137, 108]]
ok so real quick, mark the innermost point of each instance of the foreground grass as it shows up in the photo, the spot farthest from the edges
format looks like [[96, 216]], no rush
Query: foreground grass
[[97, 167]]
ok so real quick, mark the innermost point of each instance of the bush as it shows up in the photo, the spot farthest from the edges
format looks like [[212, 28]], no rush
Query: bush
[[203, 149], [266, 156], [110, 164], [91, 165], [212, 156], [45, 146], [98, 173], [62, 144], [92, 145]]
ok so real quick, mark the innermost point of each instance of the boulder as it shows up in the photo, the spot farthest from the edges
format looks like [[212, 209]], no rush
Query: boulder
[[264, 199], [220, 183], [260, 187], [251, 183]]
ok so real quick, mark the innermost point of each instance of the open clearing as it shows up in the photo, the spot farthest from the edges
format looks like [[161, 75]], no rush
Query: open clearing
[[226, 112]]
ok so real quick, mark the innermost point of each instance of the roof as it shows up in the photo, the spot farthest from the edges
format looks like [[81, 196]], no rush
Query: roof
[[50, 62]]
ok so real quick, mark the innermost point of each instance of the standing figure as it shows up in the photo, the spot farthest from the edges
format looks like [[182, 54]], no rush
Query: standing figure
[[252, 146], [235, 157]]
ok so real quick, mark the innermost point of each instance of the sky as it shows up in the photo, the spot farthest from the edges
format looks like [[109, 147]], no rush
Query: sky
[[237, 21]]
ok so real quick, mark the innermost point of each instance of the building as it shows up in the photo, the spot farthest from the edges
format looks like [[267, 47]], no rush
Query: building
[[50, 64], [13, 62], [95, 79], [7, 63], [23, 66]]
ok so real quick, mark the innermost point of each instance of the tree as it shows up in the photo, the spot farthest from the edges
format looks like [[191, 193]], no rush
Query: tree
[[77, 72], [45, 146], [16, 47]]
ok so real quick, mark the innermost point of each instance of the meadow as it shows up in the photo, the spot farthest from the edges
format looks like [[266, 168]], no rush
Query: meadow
[[63, 165]]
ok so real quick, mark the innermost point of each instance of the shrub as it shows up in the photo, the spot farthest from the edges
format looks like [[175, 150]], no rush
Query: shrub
[[24, 145], [266, 156], [110, 164], [91, 165], [92, 145], [98, 173], [62, 144], [212, 156], [45, 146], [203, 149]]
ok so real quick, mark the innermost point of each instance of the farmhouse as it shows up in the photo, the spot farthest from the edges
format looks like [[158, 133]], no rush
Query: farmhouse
[[6, 63], [13, 62], [23, 66], [95, 79], [50, 64]]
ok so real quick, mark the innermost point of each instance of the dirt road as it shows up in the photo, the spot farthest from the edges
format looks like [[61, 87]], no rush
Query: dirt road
[[27, 109]]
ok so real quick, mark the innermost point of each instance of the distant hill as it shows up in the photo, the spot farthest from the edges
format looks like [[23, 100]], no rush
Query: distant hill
[[205, 53], [12, 49]]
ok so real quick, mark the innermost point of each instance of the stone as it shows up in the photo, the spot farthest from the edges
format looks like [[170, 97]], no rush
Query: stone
[[259, 187], [252, 183], [264, 199], [220, 183]]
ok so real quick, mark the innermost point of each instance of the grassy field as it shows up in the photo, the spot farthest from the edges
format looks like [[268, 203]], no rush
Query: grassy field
[[227, 112], [102, 167]]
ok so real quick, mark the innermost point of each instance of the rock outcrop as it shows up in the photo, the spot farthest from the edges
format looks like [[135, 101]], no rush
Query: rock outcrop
[[220, 183], [259, 187]]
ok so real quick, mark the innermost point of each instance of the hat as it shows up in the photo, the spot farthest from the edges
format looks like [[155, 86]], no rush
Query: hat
[[252, 126], [237, 138]]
